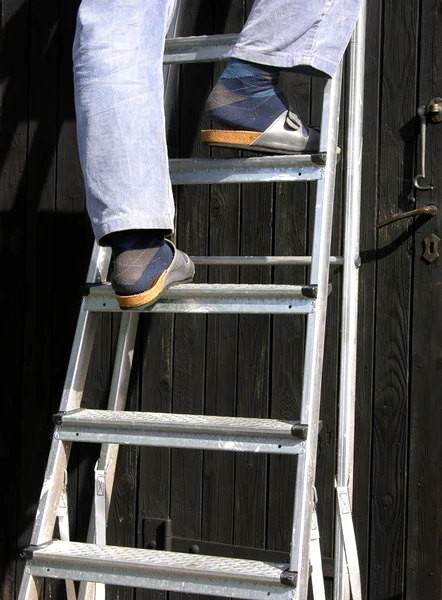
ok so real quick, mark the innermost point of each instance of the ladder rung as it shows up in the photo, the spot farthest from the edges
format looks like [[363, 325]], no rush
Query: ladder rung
[[215, 298], [302, 167], [203, 48], [154, 569], [261, 260], [181, 431]]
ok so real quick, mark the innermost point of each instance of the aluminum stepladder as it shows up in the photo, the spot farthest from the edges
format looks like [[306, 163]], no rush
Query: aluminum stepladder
[[97, 563]]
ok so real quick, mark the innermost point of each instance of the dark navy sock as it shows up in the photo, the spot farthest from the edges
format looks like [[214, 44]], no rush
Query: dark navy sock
[[140, 256], [247, 96]]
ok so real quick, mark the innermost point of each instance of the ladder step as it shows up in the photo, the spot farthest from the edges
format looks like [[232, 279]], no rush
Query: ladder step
[[154, 569], [303, 167], [202, 48], [214, 298], [181, 431], [261, 260]]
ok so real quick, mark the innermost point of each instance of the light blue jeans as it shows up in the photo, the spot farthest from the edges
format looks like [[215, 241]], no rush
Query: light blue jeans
[[118, 80]]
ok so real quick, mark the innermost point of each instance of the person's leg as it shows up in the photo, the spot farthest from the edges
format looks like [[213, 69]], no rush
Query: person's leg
[[291, 33], [309, 37], [118, 78]]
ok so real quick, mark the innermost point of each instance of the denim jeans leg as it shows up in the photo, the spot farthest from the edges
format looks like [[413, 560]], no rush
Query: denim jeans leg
[[290, 33], [118, 80]]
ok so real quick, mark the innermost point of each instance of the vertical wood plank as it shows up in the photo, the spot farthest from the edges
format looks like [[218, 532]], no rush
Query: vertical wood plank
[[190, 330], [222, 330], [14, 92], [424, 519], [253, 366], [70, 240], [391, 375], [156, 346], [39, 268]]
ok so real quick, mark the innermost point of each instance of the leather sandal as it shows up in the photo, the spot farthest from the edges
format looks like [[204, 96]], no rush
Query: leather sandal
[[286, 135]]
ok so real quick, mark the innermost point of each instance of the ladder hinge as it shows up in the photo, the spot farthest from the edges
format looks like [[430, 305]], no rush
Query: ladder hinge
[[289, 578]]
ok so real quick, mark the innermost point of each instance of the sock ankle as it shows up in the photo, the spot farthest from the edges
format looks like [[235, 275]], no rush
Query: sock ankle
[[140, 257], [247, 96]]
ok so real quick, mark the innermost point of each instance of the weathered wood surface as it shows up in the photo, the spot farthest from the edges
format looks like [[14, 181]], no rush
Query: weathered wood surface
[[424, 515], [227, 365]]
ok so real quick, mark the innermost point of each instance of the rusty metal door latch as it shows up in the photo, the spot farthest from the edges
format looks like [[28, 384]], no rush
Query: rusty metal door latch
[[432, 113], [430, 210]]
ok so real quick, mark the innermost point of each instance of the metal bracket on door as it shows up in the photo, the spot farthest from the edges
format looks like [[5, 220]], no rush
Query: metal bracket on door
[[433, 113]]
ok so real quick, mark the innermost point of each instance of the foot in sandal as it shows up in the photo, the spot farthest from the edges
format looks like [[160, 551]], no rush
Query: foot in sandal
[[145, 267], [248, 99]]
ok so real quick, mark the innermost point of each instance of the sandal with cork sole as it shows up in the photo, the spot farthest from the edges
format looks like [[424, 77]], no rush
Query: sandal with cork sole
[[286, 135], [180, 270]]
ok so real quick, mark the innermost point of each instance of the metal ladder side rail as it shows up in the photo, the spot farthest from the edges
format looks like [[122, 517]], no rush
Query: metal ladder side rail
[[71, 399], [350, 287], [314, 348], [117, 401]]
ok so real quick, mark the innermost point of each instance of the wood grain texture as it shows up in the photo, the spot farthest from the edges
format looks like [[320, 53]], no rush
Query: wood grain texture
[[156, 348], [391, 375], [14, 93], [190, 330], [222, 331], [73, 249], [424, 518], [40, 226]]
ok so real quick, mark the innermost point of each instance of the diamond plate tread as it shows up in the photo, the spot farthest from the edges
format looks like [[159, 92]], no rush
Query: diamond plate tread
[[88, 562], [167, 430], [180, 422], [203, 48], [135, 558]]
